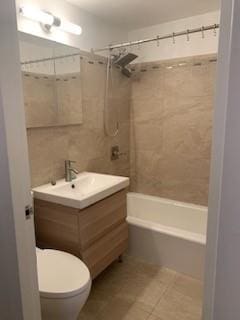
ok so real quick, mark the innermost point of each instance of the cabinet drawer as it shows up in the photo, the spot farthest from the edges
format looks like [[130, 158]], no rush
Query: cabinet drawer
[[56, 226], [106, 250], [100, 218]]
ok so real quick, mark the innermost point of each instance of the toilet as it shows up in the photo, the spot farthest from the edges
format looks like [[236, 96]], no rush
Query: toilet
[[64, 284]]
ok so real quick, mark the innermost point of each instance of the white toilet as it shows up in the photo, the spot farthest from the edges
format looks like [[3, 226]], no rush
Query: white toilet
[[64, 284]]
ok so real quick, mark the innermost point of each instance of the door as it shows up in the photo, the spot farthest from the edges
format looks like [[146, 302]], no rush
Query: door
[[222, 281], [19, 298]]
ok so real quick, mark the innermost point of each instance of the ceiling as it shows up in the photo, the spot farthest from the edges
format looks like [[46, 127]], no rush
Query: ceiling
[[133, 14]]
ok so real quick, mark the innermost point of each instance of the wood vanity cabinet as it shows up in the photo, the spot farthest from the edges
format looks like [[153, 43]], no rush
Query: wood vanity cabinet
[[97, 234]]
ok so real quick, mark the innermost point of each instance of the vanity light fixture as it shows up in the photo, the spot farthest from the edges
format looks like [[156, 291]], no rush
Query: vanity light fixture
[[70, 27], [48, 20]]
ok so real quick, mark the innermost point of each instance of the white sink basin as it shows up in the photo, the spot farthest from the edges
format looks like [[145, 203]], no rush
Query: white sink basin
[[87, 189]]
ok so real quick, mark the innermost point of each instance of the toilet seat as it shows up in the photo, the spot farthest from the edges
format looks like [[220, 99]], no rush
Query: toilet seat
[[60, 274]]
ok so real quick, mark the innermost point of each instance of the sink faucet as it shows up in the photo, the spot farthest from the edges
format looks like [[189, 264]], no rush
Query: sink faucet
[[70, 172]]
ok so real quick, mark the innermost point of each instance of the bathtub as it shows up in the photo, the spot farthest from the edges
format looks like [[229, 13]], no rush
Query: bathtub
[[166, 232]]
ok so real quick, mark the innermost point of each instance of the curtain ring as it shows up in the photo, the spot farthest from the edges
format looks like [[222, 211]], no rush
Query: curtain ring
[[188, 38], [158, 43], [173, 38], [203, 34]]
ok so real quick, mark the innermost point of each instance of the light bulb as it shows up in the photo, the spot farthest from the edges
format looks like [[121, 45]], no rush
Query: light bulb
[[70, 27], [37, 15]]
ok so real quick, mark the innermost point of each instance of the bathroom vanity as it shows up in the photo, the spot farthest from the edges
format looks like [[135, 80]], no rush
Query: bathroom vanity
[[96, 232]]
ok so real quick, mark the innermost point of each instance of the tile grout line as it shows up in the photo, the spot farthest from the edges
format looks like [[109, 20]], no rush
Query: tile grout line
[[170, 285]]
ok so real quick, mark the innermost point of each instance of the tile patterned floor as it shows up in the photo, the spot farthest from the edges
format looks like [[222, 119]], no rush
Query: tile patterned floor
[[134, 290]]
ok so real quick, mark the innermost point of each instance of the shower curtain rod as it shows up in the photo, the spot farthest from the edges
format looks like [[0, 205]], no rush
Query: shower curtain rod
[[72, 55], [158, 38], [51, 59]]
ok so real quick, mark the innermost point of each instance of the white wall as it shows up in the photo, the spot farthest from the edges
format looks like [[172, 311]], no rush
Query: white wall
[[181, 48], [96, 33]]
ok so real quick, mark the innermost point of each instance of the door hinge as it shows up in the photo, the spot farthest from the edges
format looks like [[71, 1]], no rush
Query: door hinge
[[28, 212]]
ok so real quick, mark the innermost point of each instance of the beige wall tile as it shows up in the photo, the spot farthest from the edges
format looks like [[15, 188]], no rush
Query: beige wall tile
[[146, 108], [87, 144], [187, 125], [171, 130], [93, 113], [94, 79], [167, 143], [147, 135], [48, 148], [148, 85]]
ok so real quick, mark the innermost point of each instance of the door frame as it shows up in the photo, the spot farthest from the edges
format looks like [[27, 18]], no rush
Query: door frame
[[222, 281], [18, 277], [19, 297]]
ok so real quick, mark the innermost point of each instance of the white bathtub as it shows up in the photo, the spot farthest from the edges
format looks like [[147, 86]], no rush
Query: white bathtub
[[166, 232]]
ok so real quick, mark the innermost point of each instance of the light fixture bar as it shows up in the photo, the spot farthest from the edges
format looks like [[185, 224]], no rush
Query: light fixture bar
[[48, 20], [70, 27], [37, 15]]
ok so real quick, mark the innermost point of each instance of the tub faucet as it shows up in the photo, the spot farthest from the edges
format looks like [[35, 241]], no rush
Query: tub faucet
[[70, 172]]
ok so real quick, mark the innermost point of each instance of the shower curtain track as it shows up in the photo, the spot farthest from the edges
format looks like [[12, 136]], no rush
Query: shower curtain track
[[52, 58], [173, 35]]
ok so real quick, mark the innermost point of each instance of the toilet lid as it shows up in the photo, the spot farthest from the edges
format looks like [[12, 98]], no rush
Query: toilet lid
[[61, 274]]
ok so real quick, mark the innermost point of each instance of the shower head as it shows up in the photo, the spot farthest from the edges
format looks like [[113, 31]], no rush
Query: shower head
[[126, 72], [124, 60]]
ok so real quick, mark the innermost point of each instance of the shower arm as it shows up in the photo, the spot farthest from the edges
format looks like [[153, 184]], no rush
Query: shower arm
[[173, 35]]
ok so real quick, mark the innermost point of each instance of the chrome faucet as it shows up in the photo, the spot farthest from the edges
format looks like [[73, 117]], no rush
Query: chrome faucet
[[70, 172]]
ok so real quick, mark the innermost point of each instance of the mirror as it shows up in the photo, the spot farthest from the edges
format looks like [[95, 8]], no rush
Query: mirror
[[51, 82]]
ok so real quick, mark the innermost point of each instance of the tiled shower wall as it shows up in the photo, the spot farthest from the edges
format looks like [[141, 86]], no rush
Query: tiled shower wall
[[165, 112], [85, 143], [171, 128]]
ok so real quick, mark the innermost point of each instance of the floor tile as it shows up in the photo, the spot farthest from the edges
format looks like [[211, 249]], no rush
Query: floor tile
[[95, 303], [153, 317], [122, 309], [135, 290], [144, 290], [176, 306], [161, 274], [188, 286]]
